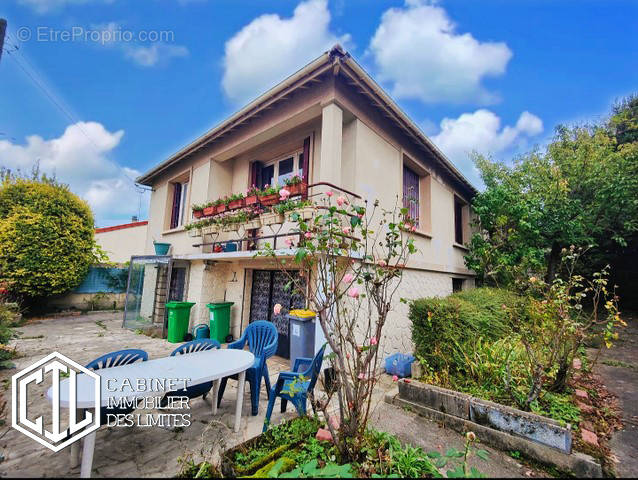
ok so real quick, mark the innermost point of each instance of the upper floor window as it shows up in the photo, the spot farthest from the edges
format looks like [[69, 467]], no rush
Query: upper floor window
[[276, 172], [178, 207], [459, 206], [411, 194]]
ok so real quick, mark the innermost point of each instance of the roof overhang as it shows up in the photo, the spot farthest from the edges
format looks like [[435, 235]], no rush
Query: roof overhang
[[338, 62]]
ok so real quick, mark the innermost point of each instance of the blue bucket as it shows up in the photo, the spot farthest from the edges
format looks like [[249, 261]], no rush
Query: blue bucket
[[201, 331], [161, 248]]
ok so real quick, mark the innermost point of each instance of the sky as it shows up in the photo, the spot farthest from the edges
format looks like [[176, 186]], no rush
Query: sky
[[99, 91]]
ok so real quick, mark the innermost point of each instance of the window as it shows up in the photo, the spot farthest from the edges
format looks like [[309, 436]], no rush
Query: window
[[457, 284], [178, 209], [276, 172], [411, 194], [458, 221]]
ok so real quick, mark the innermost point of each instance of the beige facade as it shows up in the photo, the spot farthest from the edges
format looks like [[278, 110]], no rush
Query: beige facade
[[122, 241], [359, 141]]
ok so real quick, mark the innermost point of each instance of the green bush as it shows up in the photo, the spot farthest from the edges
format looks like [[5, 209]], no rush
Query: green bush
[[446, 331], [46, 237]]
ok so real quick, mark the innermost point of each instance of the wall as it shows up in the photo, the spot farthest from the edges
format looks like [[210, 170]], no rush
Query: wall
[[122, 241]]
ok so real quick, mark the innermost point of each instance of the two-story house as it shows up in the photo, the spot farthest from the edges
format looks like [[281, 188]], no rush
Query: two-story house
[[328, 123]]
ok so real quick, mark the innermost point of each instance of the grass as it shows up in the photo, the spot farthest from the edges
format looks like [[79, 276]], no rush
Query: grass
[[620, 363]]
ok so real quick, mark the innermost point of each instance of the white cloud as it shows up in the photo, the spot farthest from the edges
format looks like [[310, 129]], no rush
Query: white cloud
[[420, 53], [80, 158], [153, 54], [46, 6], [270, 48], [481, 132]]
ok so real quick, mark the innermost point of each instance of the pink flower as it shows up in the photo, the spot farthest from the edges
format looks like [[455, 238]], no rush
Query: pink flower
[[373, 341], [276, 309], [348, 277], [308, 235], [348, 356], [353, 292], [284, 194], [346, 230], [329, 193], [413, 228], [341, 200], [395, 378], [361, 376], [381, 263], [360, 215], [352, 261], [289, 242]]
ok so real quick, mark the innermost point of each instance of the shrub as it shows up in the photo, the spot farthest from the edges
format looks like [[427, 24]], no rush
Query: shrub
[[46, 237], [446, 331]]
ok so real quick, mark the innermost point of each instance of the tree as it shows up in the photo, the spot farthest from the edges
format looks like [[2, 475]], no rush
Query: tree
[[46, 237], [351, 262], [581, 190]]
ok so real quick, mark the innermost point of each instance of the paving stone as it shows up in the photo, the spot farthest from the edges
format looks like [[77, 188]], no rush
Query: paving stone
[[581, 394], [577, 364], [589, 437], [324, 435], [584, 407]]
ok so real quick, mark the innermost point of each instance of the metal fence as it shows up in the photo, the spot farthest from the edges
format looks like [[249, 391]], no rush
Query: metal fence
[[104, 279]]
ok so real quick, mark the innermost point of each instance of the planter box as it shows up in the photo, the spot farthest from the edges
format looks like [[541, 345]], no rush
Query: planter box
[[195, 232], [252, 224], [305, 213], [536, 428], [298, 189], [210, 229], [221, 208], [231, 227], [235, 204], [251, 200], [198, 213], [269, 200], [271, 218], [208, 211]]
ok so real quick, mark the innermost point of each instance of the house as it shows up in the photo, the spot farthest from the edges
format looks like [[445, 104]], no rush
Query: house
[[121, 241], [328, 123]]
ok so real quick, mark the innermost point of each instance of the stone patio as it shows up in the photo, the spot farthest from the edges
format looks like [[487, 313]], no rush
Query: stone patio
[[154, 451]]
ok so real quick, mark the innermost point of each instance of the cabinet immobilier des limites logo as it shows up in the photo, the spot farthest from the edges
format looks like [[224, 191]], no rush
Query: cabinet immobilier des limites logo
[[60, 425]]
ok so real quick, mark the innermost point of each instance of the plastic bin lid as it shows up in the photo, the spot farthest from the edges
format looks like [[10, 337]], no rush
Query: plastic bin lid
[[302, 313], [216, 305], [180, 304]]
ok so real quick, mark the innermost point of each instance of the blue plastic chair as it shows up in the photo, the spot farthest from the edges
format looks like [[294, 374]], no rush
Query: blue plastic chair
[[262, 338], [201, 390], [116, 359], [295, 385]]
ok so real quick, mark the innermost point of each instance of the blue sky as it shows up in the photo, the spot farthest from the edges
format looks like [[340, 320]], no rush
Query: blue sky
[[494, 76]]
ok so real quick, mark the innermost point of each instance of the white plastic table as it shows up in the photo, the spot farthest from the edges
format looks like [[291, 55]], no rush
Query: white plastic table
[[199, 367]]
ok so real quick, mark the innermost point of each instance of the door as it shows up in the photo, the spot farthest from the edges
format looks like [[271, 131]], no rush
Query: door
[[269, 289]]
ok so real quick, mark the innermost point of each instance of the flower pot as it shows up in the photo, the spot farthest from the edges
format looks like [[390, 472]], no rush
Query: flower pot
[[195, 232], [161, 248], [305, 213], [269, 200], [271, 218], [208, 211], [222, 208], [297, 189], [198, 213], [251, 200], [210, 229], [235, 204], [252, 224], [231, 227]]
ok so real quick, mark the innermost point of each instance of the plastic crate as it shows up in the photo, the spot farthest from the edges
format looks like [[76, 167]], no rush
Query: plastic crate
[[399, 364]]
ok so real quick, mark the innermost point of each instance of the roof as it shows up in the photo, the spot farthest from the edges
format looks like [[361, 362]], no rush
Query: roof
[[121, 227], [338, 61]]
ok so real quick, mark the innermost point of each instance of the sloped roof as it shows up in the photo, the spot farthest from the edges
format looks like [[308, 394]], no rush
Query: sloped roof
[[340, 62]]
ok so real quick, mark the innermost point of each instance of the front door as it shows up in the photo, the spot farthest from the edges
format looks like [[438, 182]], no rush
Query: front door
[[269, 289]]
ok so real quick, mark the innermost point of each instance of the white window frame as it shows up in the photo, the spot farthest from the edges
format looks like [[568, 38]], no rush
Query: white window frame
[[295, 164]]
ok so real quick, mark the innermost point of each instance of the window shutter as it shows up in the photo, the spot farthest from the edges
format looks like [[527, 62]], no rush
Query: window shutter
[[306, 159], [177, 195]]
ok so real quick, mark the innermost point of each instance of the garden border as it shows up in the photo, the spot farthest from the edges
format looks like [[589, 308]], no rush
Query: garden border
[[454, 410]]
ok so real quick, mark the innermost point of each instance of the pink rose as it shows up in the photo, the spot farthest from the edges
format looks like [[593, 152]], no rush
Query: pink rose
[[284, 194], [341, 200], [353, 292], [373, 341], [348, 277], [289, 242], [346, 230], [329, 193], [348, 356], [413, 228], [381, 263], [360, 215], [395, 378], [361, 376], [276, 309], [308, 235]]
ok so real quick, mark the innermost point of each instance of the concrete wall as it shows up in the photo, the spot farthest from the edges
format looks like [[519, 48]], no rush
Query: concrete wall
[[121, 243], [87, 301]]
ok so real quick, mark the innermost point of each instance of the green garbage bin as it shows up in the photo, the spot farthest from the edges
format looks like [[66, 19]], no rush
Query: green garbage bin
[[178, 318], [219, 320]]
